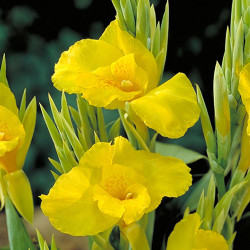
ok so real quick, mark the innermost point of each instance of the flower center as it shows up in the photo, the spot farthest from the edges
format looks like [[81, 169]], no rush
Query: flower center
[[117, 186], [127, 85], [1, 136]]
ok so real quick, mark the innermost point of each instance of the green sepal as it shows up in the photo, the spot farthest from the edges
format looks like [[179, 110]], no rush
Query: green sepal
[[92, 117], [65, 110], [219, 221], [222, 116], [17, 234], [152, 26], [225, 203], [128, 14], [237, 63], [86, 127], [3, 78], [66, 166], [227, 58], [55, 175], [40, 239], [201, 205], [75, 143], [69, 155], [56, 165], [56, 115], [119, 15], [187, 155], [29, 122], [206, 123], [53, 243], [164, 35], [96, 137], [157, 41], [82, 140], [22, 106], [101, 125], [54, 134], [142, 21], [209, 205], [115, 129], [76, 117]]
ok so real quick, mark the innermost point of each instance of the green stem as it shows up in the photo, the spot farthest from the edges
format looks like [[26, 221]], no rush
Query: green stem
[[220, 184], [150, 227]]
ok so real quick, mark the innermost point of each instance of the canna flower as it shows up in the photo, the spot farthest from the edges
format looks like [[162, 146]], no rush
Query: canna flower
[[15, 138], [244, 89], [113, 184], [187, 235], [117, 69]]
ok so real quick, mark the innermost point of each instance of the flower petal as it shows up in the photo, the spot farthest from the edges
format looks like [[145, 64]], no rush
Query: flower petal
[[136, 204], [244, 89], [182, 237], [82, 58], [71, 208], [7, 99], [209, 240], [171, 108], [165, 176], [19, 191], [130, 45]]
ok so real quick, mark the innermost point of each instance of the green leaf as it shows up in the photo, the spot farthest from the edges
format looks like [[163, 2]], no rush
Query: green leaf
[[187, 155], [18, 236]]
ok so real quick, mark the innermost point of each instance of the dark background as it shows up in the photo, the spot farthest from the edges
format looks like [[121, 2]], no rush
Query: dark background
[[33, 34]]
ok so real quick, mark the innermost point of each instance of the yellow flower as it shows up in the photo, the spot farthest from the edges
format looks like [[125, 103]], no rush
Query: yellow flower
[[187, 235], [118, 68], [244, 89], [14, 143], [113, 184]]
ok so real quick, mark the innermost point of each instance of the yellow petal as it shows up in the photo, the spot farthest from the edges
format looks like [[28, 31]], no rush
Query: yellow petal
[[7, 146], [107, 203], [19, 191], [12, 135], [182, 237], [111, 86], [171, 108], [7, 99], [168, 176], [136, 203], [136, 236], [82, 58], [209, 240], [130, 45], [165, 176], [71, 208], [244, 89]]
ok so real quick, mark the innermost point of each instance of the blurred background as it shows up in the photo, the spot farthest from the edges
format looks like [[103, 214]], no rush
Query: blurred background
[[33, 34]]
